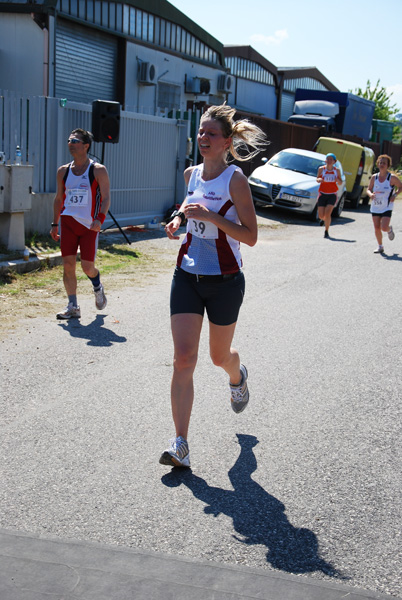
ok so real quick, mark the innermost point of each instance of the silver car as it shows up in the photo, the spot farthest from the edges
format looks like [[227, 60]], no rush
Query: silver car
[[289, 180]]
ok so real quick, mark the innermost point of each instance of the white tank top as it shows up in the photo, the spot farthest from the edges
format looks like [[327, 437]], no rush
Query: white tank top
[[383, 193], [206, 249], [82, 198]]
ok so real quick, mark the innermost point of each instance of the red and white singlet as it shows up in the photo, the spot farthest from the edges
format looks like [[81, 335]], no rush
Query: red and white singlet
[[82, 198], [328, 184], [206, 249]]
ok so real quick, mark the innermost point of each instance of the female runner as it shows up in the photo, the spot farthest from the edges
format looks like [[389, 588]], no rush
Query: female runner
[[220, 215], [382, 190], [328, 177]]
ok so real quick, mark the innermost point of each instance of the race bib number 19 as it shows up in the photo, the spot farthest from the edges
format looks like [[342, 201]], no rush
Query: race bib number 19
[[76, 198]]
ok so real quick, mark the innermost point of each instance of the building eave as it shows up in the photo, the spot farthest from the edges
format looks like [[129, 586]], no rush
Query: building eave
[[300, 72]]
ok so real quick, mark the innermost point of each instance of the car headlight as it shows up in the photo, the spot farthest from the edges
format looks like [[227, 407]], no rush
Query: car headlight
[[302, 193], [254, 180]]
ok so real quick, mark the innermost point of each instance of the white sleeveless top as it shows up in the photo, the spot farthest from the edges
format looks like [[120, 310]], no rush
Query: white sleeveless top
[[206, 249], [82, 198], [383, 192]]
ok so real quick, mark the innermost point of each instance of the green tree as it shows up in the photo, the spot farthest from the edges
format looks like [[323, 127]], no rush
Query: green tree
[[383, 108]]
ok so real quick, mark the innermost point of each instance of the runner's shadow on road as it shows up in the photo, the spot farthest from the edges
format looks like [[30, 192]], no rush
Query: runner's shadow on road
[[334, 239], [394, 256], [258, 517], [96, 334]]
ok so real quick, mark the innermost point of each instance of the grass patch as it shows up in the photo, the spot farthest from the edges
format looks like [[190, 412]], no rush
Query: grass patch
[[110, 258]]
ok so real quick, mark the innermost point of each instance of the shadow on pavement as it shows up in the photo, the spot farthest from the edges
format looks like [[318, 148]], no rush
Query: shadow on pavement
[[335, 239], [134, 234], [281, 215], [95, 332], [257, 516], [393, 256]]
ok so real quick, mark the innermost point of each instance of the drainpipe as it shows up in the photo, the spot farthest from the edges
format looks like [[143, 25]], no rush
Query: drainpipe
[[279, 97]]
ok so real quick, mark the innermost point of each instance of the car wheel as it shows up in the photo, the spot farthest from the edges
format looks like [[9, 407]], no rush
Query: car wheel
[[313, 216], [354, 202], [340, 206]]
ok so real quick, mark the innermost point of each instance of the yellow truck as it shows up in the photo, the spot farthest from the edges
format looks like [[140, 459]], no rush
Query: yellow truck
[[357, 162]]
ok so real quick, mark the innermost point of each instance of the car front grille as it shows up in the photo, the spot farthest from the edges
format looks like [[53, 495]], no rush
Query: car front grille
[[261, 195], [288, 203], [275, 191]]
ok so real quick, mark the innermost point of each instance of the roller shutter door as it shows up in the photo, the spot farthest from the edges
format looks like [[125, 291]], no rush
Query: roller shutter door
[[86, 63], [288, 102]]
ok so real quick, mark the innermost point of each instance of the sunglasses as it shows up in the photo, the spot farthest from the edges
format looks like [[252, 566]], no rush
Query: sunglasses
[[74, 141]]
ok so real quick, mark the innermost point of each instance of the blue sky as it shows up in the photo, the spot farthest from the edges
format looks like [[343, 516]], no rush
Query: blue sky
[[349, 41]]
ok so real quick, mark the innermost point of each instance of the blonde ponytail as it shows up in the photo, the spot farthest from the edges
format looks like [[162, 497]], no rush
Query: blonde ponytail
[[243, 133]]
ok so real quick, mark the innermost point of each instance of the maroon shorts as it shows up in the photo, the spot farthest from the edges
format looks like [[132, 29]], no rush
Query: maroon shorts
[[74, 235]]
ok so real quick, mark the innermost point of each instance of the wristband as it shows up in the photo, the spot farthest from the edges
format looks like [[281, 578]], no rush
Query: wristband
[[101, 218], [177, 213], [55, 224]]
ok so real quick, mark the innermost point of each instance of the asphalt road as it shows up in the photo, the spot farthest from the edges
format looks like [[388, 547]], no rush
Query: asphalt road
[[307, 480]]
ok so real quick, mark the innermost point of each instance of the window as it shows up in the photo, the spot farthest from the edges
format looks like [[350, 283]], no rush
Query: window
[[138, 27], [124, 18], [90, 11], [74, 8], [132, 21], [105, 14], [119, 17], [168, 34], [163, 32], [112, 16], [145, 26], [168, 96], [173, 38], [150, 28]]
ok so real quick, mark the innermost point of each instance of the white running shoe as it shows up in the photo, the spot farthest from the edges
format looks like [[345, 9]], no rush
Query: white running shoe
[[379, 250], [100, 298], [239, 393], [177, 455], [70, 312], [391, 233]]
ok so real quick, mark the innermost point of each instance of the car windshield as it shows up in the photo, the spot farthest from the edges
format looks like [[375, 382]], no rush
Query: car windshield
[[296, 162]]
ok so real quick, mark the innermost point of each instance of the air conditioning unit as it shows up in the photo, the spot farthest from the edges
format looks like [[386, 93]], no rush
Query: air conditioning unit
[[205, 86], [225, 83], [146, 73], [192, 85]]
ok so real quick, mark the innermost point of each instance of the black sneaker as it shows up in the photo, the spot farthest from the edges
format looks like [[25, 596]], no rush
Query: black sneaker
[[326, 234]]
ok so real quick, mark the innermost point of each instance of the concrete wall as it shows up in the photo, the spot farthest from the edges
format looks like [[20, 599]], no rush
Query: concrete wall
[[21, 70], [39, 218]]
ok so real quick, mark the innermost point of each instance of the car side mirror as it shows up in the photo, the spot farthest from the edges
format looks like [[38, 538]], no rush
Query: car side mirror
[[264, 160]]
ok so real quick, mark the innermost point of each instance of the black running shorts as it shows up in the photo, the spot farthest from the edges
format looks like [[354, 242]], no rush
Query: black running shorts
[[220, 295], [327, 200]]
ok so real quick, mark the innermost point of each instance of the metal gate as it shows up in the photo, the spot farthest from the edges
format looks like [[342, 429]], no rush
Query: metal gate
[[145, 167]]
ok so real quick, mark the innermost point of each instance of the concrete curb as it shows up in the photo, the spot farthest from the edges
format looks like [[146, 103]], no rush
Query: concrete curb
[[36, 568], [34, 263]]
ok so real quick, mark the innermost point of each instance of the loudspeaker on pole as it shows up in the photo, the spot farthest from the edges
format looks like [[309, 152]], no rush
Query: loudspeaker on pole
[[106, 121]]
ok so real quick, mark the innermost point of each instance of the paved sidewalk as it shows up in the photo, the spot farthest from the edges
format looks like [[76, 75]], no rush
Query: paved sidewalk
[[34, 568]]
